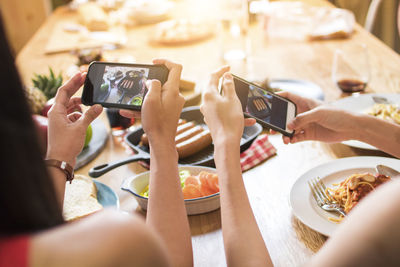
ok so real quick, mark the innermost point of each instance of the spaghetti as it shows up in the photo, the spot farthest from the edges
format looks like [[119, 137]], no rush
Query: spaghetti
[[349, 192], [387, 112]]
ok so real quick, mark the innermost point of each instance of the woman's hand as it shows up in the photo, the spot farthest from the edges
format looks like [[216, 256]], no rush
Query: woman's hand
[[162, 106], [223, 113], [67, 129], [323, 123], [303, 104]]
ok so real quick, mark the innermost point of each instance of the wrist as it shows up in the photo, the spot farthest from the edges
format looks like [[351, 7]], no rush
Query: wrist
[[61, 157], [163, 148], [359, 131], [223, 140]]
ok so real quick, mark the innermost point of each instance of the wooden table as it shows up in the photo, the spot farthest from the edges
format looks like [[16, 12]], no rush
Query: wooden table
[[268, 185]]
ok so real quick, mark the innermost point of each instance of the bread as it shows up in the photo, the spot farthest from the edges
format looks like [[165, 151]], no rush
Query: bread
[[93, 17], [80, 198], [179, 32]]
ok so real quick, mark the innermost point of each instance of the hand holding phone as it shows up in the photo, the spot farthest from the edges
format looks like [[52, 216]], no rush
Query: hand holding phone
[[270, 110], [120, 85]]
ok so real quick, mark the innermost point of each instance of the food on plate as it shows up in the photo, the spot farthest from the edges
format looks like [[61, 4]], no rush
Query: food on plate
[[194, 186], [177, 32], [48, 84], [355, 187], [80, 198], [194, 144], [144, 139], [147, 11], [93, 17], [86, 56], [389, 112], [190, 138]]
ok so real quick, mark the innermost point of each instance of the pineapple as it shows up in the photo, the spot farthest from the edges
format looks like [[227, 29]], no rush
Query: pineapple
[[36, 99], [48, 84]]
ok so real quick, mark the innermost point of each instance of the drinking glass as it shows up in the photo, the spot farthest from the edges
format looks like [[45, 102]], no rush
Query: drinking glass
[[350, 69], [235, 22], [119, 124]]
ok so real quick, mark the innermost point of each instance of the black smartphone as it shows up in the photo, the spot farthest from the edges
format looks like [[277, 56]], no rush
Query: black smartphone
[[270, 110], [119, 85]]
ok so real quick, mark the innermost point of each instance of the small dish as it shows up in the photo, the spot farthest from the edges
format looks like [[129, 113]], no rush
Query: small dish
[[136, 185], [106, 196]]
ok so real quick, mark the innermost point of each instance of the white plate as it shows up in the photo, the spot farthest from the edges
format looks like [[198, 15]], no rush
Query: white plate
[[302, 202], [361, 104], [299, 87]]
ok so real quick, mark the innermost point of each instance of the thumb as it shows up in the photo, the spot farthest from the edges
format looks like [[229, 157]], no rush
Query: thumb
[[154, 87], [301, 120], [91, 114]]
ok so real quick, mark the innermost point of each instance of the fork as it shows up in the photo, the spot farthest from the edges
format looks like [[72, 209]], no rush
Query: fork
[[380, 100], [318, 190]]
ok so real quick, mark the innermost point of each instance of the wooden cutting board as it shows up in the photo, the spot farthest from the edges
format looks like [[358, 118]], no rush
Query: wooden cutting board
[[69, 35]]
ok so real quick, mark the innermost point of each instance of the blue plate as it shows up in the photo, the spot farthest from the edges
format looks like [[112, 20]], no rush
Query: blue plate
[[106, 196]]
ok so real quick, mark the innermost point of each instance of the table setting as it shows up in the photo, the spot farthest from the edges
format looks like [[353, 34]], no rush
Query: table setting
[[116, 160]]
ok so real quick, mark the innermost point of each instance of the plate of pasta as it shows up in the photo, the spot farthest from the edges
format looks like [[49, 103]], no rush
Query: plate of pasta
[[353, 176], [364, 103]]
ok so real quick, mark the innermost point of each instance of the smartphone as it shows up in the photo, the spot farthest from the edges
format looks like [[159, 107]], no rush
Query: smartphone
[[118, 85], [270, 110]]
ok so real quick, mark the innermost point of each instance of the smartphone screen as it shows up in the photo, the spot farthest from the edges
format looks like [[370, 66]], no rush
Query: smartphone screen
[[120, 85], [269, 109]]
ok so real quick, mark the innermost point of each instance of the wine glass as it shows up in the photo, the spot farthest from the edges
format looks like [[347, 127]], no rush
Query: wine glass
[[350, 69]]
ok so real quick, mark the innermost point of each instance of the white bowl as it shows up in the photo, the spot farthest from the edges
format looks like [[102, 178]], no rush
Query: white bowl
[[136, 185]]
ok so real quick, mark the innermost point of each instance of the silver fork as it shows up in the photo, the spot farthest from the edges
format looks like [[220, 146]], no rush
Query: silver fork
[[380, 100], [318, 190]]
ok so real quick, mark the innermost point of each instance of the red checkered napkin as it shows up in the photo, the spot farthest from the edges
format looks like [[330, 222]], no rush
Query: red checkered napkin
[[260, 150]]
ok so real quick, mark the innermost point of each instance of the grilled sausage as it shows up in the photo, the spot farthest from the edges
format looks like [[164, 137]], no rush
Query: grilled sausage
[[188, 134], [145, 140], [184, 127], [194, 144]]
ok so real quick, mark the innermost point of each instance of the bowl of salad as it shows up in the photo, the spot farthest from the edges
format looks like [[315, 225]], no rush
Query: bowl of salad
[[199, 187]]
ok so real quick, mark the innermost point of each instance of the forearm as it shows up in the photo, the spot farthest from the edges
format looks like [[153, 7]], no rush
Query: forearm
[[166, 209], [379, 133], [244, 245], [58, 178]]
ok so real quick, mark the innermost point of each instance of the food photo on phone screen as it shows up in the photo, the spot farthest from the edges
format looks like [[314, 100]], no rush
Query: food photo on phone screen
[[261, 104], [122, 85]]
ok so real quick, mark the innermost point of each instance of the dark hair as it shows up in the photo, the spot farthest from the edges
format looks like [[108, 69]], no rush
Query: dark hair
[[28, 201]]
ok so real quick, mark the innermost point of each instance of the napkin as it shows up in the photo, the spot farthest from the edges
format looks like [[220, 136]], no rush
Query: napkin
[[260, 150]]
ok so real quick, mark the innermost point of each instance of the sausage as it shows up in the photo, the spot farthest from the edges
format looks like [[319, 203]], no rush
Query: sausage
[[145, 140], [194, 144], [184, 127], [188, 134]]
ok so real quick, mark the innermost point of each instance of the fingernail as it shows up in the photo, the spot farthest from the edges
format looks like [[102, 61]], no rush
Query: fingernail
[[228, 76], [148, 83], [98, 108]]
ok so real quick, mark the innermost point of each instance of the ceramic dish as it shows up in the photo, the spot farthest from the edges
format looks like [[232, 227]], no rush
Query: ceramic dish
[[302, 202], [106, 196], [361, 104], [136, 185], [299, 87]]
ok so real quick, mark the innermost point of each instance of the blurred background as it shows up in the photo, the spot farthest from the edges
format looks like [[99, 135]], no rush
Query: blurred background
[[24, 17]]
